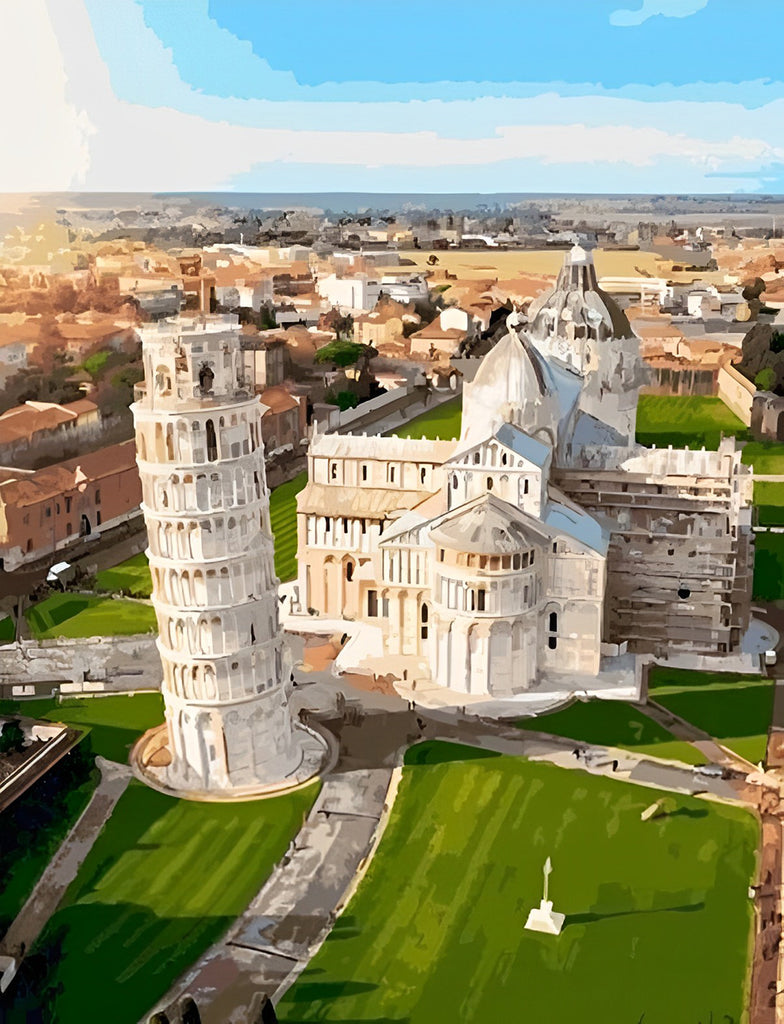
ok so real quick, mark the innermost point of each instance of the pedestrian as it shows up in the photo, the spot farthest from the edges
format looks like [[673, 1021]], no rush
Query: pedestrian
[[615, 766], [576, 753]]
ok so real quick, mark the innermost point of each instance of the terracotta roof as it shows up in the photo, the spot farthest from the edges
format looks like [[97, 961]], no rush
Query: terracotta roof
[[23, 421], [91, 331], [369, 502], [68, 476], [278, 399]]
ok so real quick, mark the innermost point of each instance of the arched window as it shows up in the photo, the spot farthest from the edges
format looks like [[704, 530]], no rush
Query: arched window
[[489, 483], [349, 571], [425, 616], [525, 486], [422, 472], [212, 443], [454, 481], [333, 471]]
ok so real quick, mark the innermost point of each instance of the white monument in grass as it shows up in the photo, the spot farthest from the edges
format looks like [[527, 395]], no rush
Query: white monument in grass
[[543, 918]]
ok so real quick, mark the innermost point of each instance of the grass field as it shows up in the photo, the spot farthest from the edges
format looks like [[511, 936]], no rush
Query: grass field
[[767, 457], [37, 822], [131, 577], [768, 566], [685, 422], [283, 517], [769, 499], [7, 630], [441, 421], [79, 615], [163, 881], [658, 915], [115, 721], [735, 710], [614, 723]]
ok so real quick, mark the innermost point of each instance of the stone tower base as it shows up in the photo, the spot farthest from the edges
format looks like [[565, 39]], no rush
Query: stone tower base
[[152, 763]]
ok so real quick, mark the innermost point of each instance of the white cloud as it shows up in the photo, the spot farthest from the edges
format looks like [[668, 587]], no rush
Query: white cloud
[[46, 136], [89, 138], [650, 8]]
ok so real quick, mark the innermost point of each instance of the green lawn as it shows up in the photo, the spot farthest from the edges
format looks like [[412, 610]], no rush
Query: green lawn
[[7, 630], [685, 421], [37, 822], [163, 881], [768, 566], [735, 710], [131, 577], [283, 517], [115, 721], [767, 457], [614, 723], [80, 615], [658, 916], [769, 499], [441, 421]]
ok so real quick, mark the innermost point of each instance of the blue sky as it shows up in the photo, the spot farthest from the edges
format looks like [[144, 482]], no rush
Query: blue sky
[[419, 95]]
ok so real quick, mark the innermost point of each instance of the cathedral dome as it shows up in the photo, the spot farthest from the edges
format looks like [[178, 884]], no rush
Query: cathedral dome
[[577, 307], [514, 384]]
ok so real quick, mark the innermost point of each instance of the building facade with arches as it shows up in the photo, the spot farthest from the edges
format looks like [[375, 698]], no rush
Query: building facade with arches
[[544, 542], [206, 506]]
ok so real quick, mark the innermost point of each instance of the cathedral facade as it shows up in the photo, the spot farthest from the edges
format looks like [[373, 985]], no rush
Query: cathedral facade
[[543, 543]]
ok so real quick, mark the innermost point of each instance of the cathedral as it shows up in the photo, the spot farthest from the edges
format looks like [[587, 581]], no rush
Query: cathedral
[[543, 549]]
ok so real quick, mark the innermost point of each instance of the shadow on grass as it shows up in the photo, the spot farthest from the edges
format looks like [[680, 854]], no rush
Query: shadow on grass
[[441, 752], [592, 916], [312, 991]]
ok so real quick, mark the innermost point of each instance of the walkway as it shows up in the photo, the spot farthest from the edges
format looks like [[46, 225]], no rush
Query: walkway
[[62, 868], [293, 913]]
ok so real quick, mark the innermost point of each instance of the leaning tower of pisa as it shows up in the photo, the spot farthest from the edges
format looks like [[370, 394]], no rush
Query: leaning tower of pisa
[[206, 506]]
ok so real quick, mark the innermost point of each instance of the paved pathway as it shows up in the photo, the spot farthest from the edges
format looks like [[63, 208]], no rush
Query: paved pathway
[[62, 868], [293, 913]]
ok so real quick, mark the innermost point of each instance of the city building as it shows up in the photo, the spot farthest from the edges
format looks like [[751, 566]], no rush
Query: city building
[[46, 510], [543, 552], [201, 461]]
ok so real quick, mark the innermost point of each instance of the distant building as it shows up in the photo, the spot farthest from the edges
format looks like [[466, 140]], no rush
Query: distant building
[[37, 428], [46, 510], [284, 423]]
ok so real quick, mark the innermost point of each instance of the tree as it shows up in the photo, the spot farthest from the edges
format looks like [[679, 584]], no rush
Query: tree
[[340, 353], [765, 379], [11, 738], [189, 1011]]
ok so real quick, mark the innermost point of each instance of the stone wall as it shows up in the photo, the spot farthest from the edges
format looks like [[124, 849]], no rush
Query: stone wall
[[736, 392], [89, 665]]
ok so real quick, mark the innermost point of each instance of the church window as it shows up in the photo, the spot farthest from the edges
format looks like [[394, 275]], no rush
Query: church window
[[441, 555], [555, 547], [532, 557], [553, 622], [363, 525], [385, 607], [454, 481], [517, 561], [477, 458], [480, 599], [349, 571], [345, 525], [372, 604], [423, 629], [422, 473], [212, 443], [552, 642], [333, 471], [252, 634], [489, 483], [364, 472], [525, 486], [525, 596], [327, 524], [503, 458]]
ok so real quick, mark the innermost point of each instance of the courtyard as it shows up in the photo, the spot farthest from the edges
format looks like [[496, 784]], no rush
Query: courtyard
[[435, 930]]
